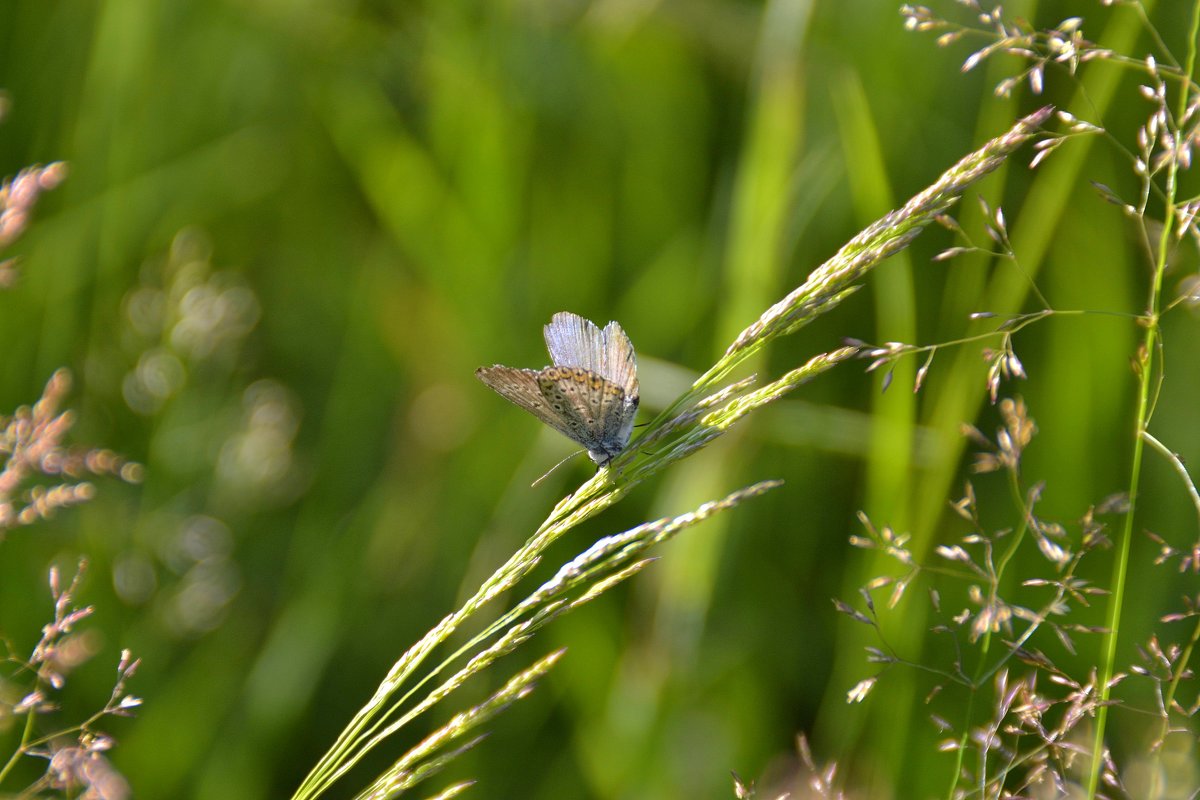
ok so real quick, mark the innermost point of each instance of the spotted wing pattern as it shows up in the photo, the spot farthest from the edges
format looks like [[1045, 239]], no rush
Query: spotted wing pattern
[[597, 412], [590, 395], [577, 342], [520, 386]]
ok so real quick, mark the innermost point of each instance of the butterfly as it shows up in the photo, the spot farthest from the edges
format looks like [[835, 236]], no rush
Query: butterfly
[[590, 394]]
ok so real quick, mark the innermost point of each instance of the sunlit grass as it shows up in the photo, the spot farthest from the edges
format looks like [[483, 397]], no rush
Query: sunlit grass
[[407, 192]]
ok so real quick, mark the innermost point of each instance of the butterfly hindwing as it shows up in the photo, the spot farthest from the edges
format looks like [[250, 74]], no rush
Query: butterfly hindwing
[[593, 408], [574, 394], [620, 360], [619, 419]]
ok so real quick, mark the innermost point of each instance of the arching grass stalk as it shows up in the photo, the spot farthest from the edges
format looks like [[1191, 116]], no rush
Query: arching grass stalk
[[700, 415]]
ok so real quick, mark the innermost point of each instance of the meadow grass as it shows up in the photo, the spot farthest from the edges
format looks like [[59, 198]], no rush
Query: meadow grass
[[462, 170]]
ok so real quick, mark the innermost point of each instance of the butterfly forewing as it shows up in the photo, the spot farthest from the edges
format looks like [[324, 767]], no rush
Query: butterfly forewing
[[520, 386]]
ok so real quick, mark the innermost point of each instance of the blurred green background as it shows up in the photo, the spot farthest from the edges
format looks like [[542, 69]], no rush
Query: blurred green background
[[292, 230]]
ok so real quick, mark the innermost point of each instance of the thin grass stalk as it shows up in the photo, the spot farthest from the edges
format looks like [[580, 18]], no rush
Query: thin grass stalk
[[609, 555], [410, 768], [606, 555], [454, 790], [588, 570], [1180, 468], [1151, 341], [892, 448]]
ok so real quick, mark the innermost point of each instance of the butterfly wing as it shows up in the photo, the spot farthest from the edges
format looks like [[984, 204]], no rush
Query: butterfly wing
[[594, 409], [590, 395], [620, 362], [619, 418], [521, 387], [576, 342]]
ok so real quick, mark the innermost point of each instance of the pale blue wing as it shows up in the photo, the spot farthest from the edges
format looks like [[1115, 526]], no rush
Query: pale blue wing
[[620, 362], [576, 342]]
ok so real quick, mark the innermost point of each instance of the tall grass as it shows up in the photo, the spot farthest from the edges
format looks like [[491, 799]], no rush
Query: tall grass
[[377, 198]]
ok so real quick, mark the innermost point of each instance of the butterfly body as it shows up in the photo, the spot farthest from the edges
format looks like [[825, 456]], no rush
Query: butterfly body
[[589, 394]]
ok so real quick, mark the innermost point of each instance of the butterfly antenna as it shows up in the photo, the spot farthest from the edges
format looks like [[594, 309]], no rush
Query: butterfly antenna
[[556, 466]]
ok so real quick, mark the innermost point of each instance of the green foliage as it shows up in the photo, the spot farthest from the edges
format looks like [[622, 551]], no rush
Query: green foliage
[[291, 232]]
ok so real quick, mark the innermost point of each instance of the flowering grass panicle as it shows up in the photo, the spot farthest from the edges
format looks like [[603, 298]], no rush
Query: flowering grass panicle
[[42, 474], [1011, 700]]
